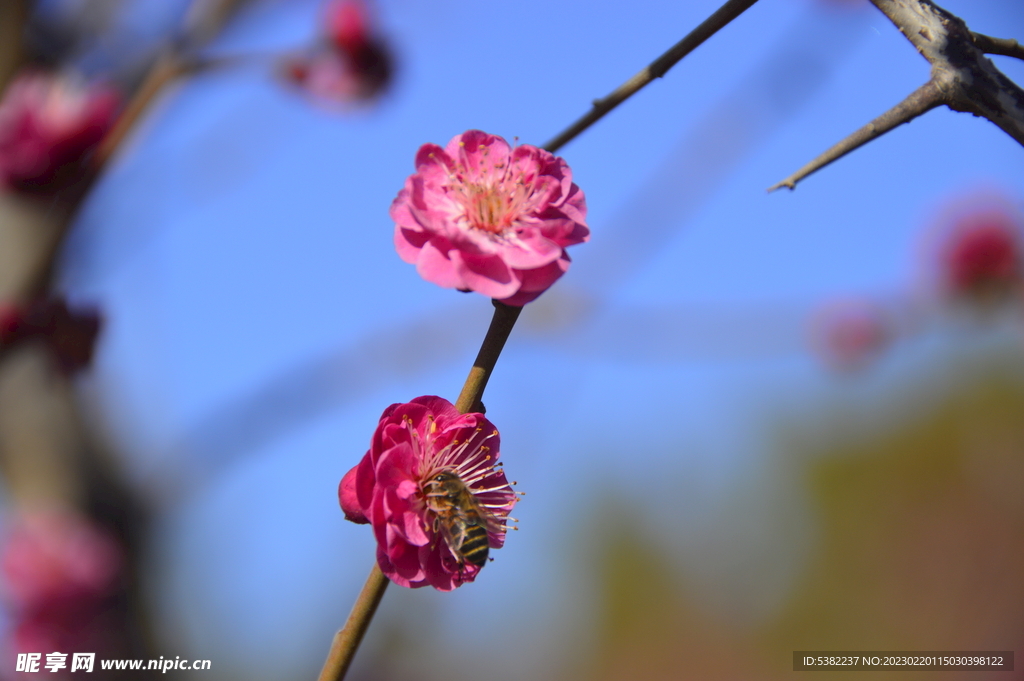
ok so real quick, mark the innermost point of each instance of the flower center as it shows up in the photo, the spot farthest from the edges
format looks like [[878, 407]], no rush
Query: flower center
[[488, 209], [493, 204]]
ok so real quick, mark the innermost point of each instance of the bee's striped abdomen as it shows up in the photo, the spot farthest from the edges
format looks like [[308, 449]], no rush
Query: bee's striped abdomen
[[474, 545]]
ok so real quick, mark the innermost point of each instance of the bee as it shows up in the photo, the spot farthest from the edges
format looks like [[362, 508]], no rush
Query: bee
[[459, 517]]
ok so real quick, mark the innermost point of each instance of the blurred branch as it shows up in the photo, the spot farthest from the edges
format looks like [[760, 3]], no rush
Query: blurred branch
[[205, 19], [46, 455], [168, 66], [1004, 46], [656, 69], [962, 78], [163, 70], [13, 15]]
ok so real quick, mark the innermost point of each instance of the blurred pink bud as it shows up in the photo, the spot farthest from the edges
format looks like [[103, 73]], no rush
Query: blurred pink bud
[[350, 31], [420, 530], [11, 323], [351, 64], [83, 628], [330, 76], [481, 216], [48, 124], [851, 333], [58, 560], [983, 255], [71, 335], [348, 25]]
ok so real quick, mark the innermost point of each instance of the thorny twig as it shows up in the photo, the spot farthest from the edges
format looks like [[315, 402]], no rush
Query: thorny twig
[[1008, 47], [962, 78]]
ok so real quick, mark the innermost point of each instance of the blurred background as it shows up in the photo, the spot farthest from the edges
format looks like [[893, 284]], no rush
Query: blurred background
[[746, 423]]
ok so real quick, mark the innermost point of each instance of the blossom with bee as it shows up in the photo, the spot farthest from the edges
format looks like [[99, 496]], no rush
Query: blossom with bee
[[479, 215], [396, 489]]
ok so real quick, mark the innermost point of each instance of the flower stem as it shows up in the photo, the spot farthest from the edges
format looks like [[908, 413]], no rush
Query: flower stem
[[347, 640], [504, 319]]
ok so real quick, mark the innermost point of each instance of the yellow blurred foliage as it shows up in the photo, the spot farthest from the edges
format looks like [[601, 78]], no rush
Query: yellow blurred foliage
[[920, 547]]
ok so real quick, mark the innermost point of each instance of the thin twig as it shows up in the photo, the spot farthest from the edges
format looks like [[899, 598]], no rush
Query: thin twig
[[1008, 47], [207, 19], [347, 640], [504, 319], [922, 100], [656, 69]]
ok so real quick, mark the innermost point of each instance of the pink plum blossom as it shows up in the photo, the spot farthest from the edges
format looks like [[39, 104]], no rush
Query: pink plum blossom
[[413, 443], [479, 215], [48, 124]]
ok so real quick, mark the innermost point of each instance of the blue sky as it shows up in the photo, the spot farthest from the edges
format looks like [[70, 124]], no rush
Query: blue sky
[[242, 240]]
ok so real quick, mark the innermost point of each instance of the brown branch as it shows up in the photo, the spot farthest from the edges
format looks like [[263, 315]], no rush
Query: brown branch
[[347, 640], [504, 319], [920, 101], [656, 69], [962, 78], [1007, 47]]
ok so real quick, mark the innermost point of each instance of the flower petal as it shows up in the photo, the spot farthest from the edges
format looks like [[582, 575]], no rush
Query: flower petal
[[349, 499], [486, 274], [437, 267]]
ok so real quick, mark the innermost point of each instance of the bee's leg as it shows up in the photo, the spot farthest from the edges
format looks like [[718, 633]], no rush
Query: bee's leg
[[436, 528]]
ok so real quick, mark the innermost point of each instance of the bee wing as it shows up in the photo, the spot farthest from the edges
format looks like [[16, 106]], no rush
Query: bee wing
[[454, 532], [482, 516]]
